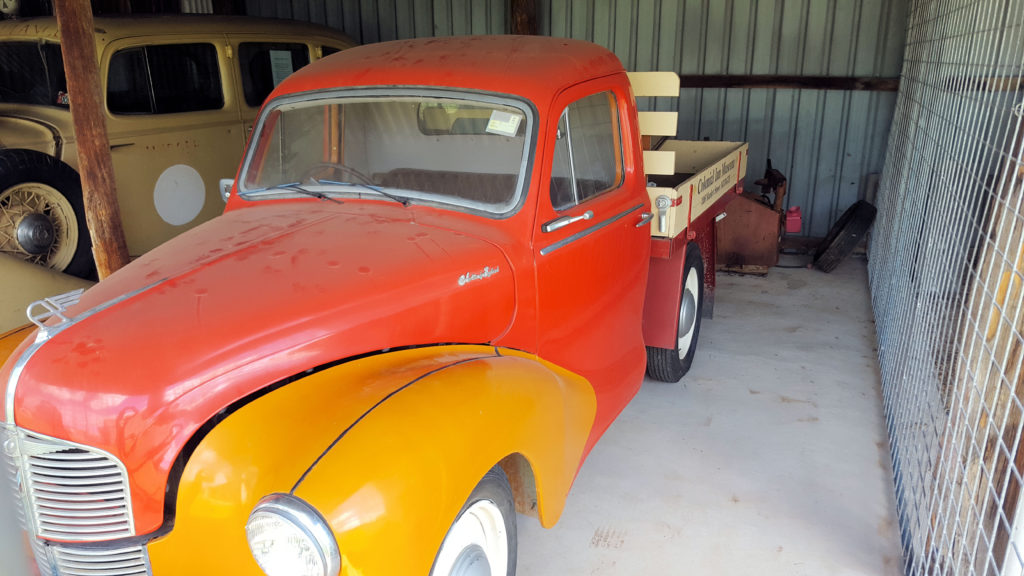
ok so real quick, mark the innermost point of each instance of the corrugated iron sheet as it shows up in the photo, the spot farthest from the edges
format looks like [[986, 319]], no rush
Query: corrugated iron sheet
[[826, 142]]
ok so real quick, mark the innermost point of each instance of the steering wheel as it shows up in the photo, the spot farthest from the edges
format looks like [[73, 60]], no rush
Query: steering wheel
[[322, 167]]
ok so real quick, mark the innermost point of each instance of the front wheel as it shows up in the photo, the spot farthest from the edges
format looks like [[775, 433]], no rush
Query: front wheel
[[482, 540], [42, 218], [670, 365]]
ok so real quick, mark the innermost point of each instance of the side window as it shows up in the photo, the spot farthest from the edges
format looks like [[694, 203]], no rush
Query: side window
[[265, 64], [326, 51], [164, 79], [588, 152]]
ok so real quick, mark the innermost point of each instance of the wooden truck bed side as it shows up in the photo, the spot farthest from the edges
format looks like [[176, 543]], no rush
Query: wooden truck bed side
[[692, 175], [689, 185]]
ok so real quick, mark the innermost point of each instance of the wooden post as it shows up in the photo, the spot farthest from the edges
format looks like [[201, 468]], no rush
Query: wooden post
[[109, 249], [524, 16]]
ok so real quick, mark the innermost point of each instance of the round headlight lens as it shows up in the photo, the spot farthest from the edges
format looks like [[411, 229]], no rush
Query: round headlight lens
[[289, 538]]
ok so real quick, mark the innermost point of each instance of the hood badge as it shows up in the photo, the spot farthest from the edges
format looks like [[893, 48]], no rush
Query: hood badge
[[51, 307], [487, 272]]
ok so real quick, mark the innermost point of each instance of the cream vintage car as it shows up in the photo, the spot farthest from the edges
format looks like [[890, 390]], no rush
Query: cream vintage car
[[180, 96]]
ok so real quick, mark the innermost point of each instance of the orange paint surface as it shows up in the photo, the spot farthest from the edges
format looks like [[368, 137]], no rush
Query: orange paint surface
[[400, 475]]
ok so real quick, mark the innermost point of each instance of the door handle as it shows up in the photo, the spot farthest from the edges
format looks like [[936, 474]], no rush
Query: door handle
[[645, 217], [122, 145], [565, 221]]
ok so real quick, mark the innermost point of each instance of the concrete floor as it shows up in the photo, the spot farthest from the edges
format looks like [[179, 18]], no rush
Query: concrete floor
[[770, 457]]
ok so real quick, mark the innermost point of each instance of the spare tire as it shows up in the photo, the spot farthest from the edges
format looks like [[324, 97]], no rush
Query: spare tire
[[844, 236], [42, 217]]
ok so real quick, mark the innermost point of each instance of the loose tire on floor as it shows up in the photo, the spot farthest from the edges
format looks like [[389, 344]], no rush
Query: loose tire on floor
[[42, 216], [670, 365], [844, 235], [482, 540]]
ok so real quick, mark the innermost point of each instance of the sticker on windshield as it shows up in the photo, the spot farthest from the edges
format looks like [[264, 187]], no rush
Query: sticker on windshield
[[503, 123]]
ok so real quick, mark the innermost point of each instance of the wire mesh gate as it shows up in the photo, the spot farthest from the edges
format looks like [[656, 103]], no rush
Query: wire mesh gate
[[946, 278]]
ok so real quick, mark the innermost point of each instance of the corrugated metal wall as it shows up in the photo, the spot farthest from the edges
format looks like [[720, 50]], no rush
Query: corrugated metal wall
[[826, 142], [381, 20]]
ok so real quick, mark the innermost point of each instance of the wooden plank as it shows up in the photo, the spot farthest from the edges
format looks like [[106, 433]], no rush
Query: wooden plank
[[654, 84], [658, 123], [659, 162], [102, 215]]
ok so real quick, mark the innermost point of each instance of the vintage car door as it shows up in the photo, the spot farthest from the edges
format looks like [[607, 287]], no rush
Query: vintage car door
[[592, 245], [174, 131]]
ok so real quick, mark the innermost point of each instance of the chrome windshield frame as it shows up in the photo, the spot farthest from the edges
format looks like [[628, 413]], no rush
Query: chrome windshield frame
[[438, 200]]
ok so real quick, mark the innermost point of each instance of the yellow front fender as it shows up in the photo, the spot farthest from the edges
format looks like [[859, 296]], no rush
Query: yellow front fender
[[399, 441]]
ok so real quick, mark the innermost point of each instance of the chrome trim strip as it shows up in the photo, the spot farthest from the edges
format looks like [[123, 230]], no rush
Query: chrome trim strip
[[587, 231], [43, 336]]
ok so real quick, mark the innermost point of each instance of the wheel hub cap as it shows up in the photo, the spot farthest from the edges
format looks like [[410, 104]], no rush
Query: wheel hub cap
[[35, 233], [687, 313], [472, 561]]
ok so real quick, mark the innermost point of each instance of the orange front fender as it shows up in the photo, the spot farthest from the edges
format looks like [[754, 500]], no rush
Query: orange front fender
[[401, 439]]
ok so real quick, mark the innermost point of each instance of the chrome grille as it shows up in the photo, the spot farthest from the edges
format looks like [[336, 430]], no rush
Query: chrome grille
[[101, 561], [8, 452], [76, 494]]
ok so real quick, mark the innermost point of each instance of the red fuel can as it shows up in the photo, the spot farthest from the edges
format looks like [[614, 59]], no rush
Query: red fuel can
[[794, 220]]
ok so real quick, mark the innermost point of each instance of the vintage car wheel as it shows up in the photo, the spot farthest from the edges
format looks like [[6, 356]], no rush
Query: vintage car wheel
[[671, 365], [42, 217], [482, 540]]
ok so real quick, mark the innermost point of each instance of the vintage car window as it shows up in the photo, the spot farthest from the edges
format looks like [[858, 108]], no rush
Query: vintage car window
[[326, 51], [164, 79], [588, 151], [367, 146], [265, 64], [32, 73]]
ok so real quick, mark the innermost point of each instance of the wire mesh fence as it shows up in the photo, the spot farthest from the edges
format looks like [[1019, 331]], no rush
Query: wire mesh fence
[[946, 279]]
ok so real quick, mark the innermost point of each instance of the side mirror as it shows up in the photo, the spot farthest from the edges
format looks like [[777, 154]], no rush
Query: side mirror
[[226, 184]]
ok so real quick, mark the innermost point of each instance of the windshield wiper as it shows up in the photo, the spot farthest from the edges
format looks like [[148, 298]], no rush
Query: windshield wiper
[[400, 199], [293, 187]]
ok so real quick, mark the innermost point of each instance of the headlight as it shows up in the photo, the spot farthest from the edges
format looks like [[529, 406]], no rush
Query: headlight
[[288, 537]]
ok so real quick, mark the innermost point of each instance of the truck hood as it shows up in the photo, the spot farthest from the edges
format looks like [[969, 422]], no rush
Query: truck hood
[[243, 301]]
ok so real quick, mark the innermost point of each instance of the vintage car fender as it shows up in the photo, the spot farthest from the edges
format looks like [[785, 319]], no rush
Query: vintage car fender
[[387, 448], [10, 340]]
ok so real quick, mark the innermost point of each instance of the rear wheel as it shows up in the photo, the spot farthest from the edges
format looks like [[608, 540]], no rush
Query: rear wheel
[[42, 217], [482, 540], [670, 365]]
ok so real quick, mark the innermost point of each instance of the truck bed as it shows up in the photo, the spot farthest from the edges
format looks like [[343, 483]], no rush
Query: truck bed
[[702, 172]]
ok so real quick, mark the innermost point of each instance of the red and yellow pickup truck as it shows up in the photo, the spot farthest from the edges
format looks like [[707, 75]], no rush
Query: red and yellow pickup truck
[[441, 273]]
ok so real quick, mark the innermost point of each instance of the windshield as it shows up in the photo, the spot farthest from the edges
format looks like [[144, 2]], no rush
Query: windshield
[[32, 73], [467, 150]]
